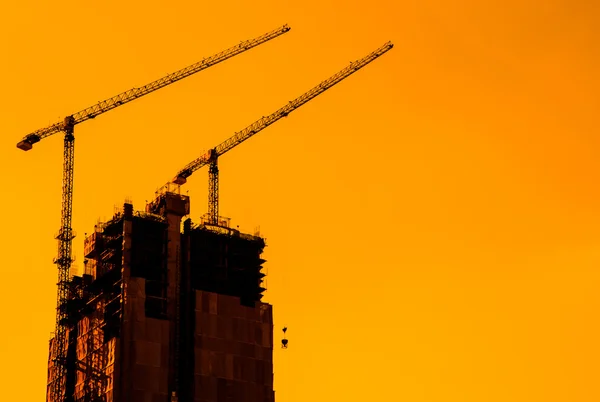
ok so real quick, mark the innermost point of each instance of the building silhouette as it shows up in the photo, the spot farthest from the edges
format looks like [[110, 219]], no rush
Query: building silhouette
[[168, 311]]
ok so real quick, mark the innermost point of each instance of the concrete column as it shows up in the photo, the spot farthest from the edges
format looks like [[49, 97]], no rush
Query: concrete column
[[122, 377]]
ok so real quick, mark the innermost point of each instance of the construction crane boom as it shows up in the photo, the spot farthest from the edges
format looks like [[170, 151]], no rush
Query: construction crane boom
[[266, 121], [57, 388], [211, 157], [135, 93]]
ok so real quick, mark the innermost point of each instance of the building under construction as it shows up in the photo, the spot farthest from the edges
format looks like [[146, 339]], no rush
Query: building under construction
[[168, 310]]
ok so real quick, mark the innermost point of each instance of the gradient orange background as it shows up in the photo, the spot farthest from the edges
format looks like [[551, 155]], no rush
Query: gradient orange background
[[432, 221]]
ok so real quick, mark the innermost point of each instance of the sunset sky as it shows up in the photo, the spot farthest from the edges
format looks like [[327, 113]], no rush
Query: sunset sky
[[432, 221]]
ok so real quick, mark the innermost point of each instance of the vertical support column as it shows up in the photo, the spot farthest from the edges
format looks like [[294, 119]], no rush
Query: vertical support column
[[173, 207], [57, 389], [213, 189], [176, 209], [187, 320], [123, 354]]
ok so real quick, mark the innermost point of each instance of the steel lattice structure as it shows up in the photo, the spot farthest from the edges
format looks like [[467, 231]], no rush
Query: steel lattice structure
[[63, 261], [135, 93], [211, 156]]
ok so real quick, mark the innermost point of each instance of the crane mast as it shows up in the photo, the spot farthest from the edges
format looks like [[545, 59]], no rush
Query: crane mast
[[57, 388], [210, 157]]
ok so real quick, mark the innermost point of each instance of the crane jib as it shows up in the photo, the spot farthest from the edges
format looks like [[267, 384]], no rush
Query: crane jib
[[111, 103], [266, 121]]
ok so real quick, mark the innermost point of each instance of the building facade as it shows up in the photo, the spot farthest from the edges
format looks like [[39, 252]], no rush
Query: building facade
[[168, 311]]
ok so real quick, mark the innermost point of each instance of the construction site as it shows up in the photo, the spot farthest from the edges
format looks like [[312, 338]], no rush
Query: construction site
[[169, 307]]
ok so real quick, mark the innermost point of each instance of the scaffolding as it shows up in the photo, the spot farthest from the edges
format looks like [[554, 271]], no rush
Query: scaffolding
[[92, 356]]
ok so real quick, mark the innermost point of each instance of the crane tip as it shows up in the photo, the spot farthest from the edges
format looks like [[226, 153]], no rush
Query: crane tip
[[25, 145]]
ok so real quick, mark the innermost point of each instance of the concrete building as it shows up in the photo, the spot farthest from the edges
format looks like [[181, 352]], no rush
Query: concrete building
[[169, 311]]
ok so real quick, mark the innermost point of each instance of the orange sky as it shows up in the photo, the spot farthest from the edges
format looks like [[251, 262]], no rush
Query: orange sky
[[432, 221]]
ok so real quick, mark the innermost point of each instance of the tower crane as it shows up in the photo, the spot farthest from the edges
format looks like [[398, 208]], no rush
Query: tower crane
[[66, 234], [211, 156]]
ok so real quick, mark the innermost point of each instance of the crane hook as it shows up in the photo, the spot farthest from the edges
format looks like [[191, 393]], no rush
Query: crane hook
[[284, 341]]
